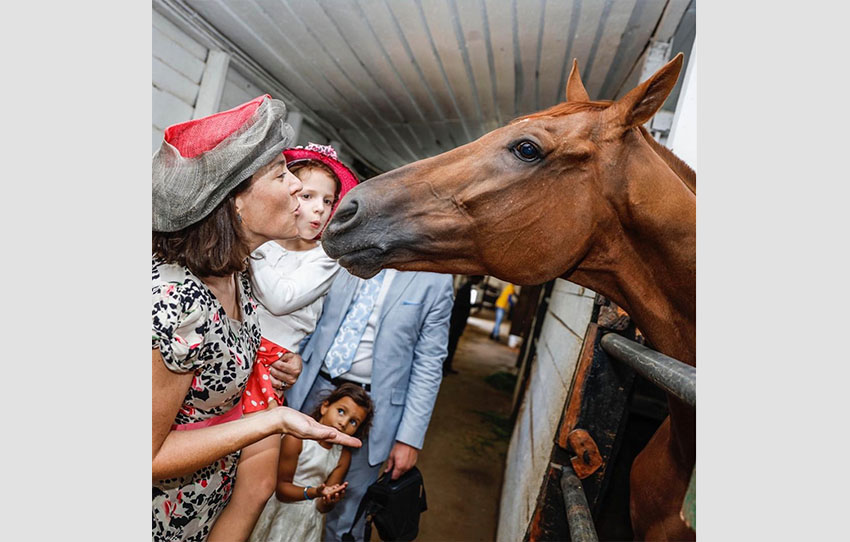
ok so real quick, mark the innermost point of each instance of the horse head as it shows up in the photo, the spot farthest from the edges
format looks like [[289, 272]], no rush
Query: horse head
[[526, 202]]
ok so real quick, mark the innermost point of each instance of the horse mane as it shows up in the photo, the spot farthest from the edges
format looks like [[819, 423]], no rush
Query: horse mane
[[679, 167], [566, 108], [683, 170]]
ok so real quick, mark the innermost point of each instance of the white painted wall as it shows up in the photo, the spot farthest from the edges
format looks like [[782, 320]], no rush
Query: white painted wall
[[186, 84], [237, 90], [309, 133], [178, 66], [558, 348], [683, 133]]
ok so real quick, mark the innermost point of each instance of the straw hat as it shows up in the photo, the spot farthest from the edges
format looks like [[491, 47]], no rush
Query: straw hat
[[201, 161]]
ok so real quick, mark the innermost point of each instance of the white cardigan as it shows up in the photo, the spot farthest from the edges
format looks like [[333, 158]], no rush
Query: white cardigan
[[290, 288]]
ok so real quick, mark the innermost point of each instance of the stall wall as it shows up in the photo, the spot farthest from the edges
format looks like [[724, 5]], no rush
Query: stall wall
[[237, 90], [558, 348], [178, 64]]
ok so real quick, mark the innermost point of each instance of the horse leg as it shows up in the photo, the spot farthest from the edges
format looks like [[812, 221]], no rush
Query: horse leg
[[659, 480]]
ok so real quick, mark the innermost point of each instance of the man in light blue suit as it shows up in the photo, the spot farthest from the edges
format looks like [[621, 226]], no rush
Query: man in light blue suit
[[388, 334]]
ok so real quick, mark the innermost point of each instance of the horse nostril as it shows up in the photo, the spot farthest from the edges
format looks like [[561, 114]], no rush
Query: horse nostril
[[346, 214]]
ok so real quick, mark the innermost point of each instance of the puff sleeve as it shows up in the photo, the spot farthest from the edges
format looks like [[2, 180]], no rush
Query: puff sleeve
[[180, 323]]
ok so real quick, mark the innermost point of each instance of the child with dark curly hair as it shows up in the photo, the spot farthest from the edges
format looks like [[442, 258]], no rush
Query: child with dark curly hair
[[310, 479]]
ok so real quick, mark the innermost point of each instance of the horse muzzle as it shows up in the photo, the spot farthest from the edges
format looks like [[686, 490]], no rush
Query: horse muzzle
[[358, 239]]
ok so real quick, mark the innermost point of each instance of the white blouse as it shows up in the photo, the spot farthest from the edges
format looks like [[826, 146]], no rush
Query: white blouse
[[290, 287]]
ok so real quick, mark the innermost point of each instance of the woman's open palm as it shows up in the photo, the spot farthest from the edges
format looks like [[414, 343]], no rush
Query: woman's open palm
[[303, 426]]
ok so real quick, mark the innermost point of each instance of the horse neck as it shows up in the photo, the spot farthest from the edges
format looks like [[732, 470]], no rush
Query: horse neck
[[644, 257], [679, 167]]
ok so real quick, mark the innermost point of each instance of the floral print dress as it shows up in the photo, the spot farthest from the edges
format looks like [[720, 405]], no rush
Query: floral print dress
[[193, 333]]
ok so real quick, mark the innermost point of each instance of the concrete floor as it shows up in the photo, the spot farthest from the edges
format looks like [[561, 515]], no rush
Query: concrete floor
[[463, 459]]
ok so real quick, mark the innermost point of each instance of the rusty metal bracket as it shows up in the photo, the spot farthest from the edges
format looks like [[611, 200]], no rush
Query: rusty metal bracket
[[587, 459]]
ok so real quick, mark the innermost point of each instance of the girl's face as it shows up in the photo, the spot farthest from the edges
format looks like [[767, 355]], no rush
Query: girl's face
[[343, 414], [317, 200], [269, 206]]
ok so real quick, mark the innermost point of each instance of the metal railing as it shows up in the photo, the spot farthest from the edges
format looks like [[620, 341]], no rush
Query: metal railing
[[669, 374], [578, 512]]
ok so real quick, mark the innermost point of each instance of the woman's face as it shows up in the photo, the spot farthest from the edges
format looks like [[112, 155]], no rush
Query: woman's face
[[317, 200], [269, 205]]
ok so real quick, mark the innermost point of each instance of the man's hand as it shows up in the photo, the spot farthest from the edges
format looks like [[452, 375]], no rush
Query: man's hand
[[402, 458], [284, 371]]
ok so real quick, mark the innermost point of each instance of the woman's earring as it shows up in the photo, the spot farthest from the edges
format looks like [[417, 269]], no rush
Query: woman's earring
[[239, 217]]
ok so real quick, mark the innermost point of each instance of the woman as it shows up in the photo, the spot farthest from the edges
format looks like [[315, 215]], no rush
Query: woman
[[221, 189]]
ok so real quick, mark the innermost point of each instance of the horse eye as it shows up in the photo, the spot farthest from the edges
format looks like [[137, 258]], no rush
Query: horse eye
[[526, 151]]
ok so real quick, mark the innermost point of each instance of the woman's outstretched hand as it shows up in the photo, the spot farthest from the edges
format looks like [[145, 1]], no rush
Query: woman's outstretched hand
[[303, 426]]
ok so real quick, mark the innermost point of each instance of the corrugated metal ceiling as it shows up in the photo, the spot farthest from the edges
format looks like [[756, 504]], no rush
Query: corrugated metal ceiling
[[401, 80]]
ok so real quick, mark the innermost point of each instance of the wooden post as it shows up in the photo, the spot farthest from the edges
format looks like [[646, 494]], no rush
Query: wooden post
[[295, 119], [212, 84]]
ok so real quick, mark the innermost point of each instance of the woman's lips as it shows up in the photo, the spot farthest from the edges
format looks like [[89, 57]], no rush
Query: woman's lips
[[315, 224]]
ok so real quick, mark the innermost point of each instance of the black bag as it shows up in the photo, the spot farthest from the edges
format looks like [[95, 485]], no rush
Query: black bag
[[394, 506]]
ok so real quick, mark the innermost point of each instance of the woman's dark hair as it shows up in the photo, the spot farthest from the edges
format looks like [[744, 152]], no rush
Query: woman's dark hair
[[213, 247], [360, 398], [316, 164]]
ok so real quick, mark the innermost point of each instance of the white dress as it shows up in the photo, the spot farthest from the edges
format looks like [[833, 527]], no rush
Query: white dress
[[301, 520]]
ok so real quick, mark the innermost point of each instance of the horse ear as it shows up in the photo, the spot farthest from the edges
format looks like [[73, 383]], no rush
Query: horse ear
[[575, 88], [643, 101]]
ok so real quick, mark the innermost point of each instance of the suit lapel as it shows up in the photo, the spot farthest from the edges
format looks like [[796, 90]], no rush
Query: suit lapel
[[400, 283]]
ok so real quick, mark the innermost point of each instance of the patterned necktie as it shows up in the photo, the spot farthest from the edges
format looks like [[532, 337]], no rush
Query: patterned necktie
[[341, 353]]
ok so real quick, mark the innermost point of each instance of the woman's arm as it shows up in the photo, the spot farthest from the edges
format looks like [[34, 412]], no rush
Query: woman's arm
[[281, 293], [177, 453], [335, 481]]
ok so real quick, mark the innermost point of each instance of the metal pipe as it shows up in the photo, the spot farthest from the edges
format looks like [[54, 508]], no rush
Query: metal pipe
[[668, 373], [579, 519]]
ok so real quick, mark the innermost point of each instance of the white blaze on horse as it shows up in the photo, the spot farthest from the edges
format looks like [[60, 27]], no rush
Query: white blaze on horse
[[579, 191]]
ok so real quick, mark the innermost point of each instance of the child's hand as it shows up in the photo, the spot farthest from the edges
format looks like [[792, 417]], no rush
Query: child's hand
[[333, 494]]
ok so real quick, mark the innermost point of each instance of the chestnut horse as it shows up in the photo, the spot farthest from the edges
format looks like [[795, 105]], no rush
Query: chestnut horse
[[579, 191]]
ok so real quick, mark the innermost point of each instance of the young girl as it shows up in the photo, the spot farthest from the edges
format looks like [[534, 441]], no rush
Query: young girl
[[290, 279], [310, 474]]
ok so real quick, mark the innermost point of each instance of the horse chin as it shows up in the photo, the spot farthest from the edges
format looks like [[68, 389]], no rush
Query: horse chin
[[364, 263]]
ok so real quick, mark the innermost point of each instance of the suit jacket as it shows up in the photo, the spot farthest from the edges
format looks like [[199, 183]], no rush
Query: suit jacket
[[407, 359]]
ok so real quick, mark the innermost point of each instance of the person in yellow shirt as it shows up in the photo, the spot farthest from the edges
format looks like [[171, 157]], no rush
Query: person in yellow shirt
[[506, 299]]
